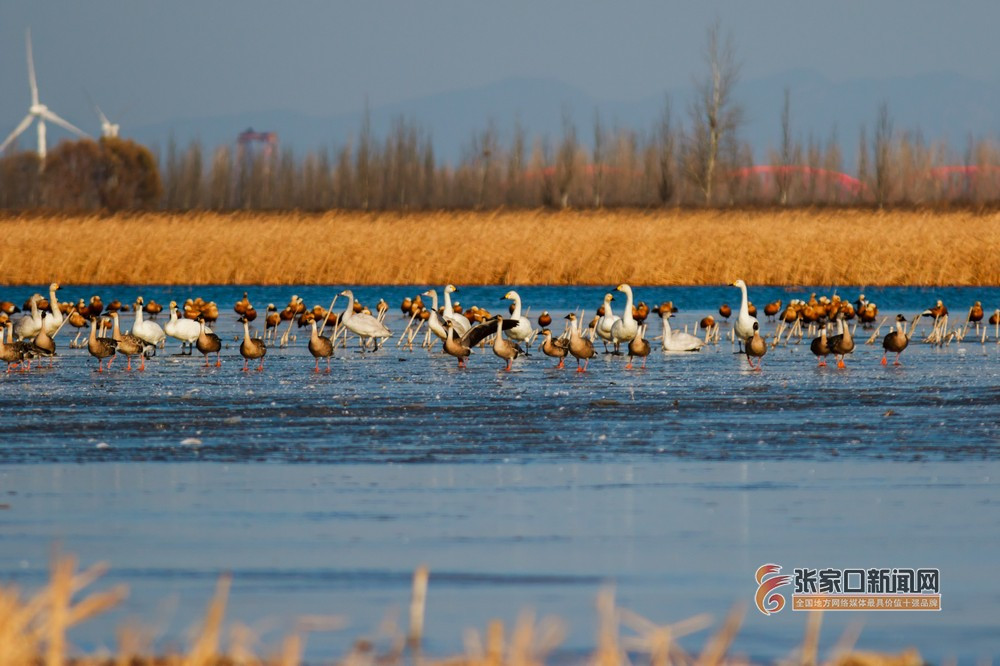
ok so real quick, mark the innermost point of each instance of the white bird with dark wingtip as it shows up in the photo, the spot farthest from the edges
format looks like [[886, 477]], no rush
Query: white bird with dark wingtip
[[523, 330], [363, 325]]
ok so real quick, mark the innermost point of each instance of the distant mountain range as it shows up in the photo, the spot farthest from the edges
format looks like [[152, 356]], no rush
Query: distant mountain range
[[943, 106]]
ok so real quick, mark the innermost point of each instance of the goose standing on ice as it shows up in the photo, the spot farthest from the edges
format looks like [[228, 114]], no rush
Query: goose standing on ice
[[842, 343], [251, 348], [320, 347], [606, 321], [744, 326], [100, 348], [363, 325], [10, 354], [147, 331], [461, 346], [208, 343], [678, 341], [638, 347], [756, 347], [183, 329], [522, 331], [626, 328], [579, 346], [505, 349], [896, 341], [821, 347], [558, 348], [128, 344]]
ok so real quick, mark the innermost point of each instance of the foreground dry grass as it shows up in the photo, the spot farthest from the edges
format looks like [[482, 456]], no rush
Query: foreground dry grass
[[33, 633], [517, 247]]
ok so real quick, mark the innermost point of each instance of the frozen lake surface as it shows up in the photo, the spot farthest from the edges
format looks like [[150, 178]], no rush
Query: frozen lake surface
[[530, 488]]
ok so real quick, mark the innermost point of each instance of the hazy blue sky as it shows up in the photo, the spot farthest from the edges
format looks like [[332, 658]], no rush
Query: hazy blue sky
[[146, 62]]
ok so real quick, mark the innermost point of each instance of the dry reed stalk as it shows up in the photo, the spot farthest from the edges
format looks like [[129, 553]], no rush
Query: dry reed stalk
[[810, 644], [418, 604], [800, 246], [206, 646], [718, 645]]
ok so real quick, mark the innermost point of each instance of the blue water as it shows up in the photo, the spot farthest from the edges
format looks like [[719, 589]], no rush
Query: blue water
[[532, 488]]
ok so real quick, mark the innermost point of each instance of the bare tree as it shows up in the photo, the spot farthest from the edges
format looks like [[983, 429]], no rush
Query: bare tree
[[566, 160], [789, 155], [664, 136], [363, 160], [862, 163], [883, 156], [598, 160], [715, 115]]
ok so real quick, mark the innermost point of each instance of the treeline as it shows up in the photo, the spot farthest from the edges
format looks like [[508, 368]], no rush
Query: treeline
[[697, 157], [663, 166]]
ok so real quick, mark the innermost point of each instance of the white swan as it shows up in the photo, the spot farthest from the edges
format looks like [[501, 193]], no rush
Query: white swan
[[55, 318], [147, 331], [678, 341], [523, 330], [29, 325], [744, 325], [436, 322], [606, 321], [361, 324], [461, 324], [183, 329], [626, 328]]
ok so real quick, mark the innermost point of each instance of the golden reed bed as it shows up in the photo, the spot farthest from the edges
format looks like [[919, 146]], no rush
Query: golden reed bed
[[860, 247], [33, 632]]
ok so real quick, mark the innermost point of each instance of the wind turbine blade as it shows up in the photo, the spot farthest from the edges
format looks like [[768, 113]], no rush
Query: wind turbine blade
[[51, 117], [104, 118], [17, 131], [31, 70]]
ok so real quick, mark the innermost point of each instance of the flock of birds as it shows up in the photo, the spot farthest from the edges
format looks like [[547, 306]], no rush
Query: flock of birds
[[28, 333]]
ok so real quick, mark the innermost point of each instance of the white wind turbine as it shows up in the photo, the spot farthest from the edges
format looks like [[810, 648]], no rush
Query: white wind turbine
[[38, 112], [109, 129]]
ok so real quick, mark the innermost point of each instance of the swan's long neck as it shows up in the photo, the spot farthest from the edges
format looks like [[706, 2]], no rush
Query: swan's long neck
[[517, 307], [447, 302], [667, 332], [607, 308], [138, 314], [54, 304], [349, 312], [627, 315], [36, 314], [173, 315], [434, 299], [744, 309]]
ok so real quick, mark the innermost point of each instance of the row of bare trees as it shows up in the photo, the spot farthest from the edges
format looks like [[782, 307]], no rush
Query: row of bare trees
[[696, 157]]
